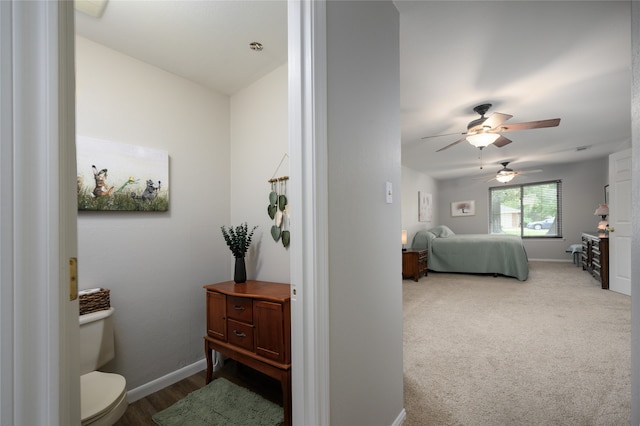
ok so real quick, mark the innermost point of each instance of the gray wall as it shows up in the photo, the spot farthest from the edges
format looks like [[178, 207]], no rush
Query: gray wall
[[365, 293], [259, 145], [582, 190], [414, 182], [155, 264]]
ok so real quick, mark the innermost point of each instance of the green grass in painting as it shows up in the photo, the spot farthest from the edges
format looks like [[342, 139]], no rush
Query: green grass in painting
[[120, 202]]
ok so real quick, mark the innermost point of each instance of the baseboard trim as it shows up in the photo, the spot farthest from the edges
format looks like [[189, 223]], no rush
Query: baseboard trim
[[164, 381], [400, 419], [551, 260]]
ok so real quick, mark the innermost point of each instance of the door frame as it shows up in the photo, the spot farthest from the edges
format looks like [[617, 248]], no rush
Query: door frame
[[39, 366], [39, 379], [309, 254]]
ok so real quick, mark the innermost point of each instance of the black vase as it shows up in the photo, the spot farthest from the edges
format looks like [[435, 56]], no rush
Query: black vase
[[240, 273]]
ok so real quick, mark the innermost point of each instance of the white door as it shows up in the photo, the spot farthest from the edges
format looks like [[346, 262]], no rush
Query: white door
[[620, 221], [40, 379]]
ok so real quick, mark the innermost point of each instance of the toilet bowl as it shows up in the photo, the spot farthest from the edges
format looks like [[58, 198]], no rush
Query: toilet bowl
[[103, 398], [102, 395]]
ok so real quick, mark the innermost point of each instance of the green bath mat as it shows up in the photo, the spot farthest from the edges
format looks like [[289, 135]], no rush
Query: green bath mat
[[221, 403]]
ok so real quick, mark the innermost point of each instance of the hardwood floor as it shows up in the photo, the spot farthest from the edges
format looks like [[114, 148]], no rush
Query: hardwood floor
[[139, 412]]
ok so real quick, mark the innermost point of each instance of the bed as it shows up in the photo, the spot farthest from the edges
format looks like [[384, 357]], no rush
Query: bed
[[473, 253]]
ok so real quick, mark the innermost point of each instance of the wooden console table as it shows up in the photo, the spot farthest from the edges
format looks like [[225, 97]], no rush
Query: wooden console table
[[251, 323], [414, 263]]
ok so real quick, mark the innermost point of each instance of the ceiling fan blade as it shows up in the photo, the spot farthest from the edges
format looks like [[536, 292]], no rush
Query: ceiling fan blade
[[502, 141], [446, 134], [496, 119], [526, 172], [452, 144], [553, 122], [486, 178]]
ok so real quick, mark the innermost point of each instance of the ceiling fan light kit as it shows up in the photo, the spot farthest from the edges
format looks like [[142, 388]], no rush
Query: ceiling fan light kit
[[480, 140], [505, 177], [505, 174], [485, 131]]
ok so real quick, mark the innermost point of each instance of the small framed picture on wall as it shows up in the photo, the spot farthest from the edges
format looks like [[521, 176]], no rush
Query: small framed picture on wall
[[463, 208]]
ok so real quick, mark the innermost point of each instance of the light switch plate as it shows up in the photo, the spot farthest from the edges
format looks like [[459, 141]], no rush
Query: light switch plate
[[389, 193]]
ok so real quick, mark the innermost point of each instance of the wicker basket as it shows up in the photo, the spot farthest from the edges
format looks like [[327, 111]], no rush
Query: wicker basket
[[95, 301]]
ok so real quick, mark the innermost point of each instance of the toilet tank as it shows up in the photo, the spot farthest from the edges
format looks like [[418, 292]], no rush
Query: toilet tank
[[96, 340]]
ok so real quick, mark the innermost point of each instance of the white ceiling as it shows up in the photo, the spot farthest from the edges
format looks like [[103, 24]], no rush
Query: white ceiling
[[206, 41], [531, 59]]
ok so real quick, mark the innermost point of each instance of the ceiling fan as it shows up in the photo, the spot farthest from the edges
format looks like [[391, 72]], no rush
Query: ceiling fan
[[506, 174], [485, 131]]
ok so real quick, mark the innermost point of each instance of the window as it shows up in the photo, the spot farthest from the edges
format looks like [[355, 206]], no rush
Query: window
[[531, 210]]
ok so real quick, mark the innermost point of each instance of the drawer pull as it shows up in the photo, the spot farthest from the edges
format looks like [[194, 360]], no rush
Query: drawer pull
[[239, 334], [238, 308]]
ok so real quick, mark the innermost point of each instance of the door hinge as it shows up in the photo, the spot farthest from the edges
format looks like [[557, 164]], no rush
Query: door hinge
[[73, 278]]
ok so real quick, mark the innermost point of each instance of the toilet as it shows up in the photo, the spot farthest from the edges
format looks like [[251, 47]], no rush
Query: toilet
[[102, 395]]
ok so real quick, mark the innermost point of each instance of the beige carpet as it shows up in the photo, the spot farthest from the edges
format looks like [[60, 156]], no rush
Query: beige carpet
[[483, 350]]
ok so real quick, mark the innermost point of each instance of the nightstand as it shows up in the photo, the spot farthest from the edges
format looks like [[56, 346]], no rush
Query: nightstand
[[414, 263]]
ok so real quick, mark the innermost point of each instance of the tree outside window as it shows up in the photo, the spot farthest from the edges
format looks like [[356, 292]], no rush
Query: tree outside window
[[530, 210]]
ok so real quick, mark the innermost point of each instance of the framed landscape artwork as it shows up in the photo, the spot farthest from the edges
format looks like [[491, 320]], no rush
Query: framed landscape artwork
[[463, 208], [113, 176]]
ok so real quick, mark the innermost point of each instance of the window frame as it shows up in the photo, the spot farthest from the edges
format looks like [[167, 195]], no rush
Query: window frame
[[521, 186]]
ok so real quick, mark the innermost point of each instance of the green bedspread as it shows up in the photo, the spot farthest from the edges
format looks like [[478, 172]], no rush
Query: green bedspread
[[473, 253]]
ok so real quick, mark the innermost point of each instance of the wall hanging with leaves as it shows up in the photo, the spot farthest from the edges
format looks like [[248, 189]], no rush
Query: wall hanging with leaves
[[278, 210]]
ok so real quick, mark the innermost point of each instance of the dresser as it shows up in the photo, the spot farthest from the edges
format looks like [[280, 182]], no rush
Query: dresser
[[595, 256], [251, 323], [414, 263]]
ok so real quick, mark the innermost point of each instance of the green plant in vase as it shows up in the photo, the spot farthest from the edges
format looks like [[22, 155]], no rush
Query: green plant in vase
[[238, 239]]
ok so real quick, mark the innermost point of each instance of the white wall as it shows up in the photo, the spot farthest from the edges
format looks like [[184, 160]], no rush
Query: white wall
[[582, 190], [412, 183], [258, 144], [156, 263], [365, 290]]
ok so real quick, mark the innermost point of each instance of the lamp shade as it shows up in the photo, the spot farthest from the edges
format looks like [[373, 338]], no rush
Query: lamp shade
[[404, 237], [602, 210], [480, 140]]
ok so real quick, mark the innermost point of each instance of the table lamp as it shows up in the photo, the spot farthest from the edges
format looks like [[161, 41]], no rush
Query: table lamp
[[603, 212]]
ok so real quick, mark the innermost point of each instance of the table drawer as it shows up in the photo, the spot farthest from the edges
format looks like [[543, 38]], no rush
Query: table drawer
[[240, 308], [240, 334]]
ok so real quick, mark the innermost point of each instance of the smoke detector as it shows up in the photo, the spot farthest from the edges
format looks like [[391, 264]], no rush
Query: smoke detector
[[254, 45]]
